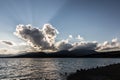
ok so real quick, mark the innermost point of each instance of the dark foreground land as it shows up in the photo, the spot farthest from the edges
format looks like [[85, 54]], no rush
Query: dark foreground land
[[110, 72]]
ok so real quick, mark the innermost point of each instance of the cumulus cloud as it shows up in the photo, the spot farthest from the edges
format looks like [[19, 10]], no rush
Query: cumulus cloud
[[41, 39], [80, 38], [45, 39], [84, 45], [63, 45], [113, 45]]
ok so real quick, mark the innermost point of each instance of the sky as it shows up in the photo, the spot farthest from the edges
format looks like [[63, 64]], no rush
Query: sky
[[94, 20]]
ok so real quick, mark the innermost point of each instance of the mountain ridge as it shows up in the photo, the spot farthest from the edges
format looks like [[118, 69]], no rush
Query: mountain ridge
[[78, 53]]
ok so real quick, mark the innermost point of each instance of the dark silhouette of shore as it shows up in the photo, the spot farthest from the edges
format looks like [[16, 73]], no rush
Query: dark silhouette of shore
[[110, 72], [66, 54]]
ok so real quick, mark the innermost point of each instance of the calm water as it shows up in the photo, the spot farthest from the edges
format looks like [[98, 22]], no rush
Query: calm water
[[47, 68]]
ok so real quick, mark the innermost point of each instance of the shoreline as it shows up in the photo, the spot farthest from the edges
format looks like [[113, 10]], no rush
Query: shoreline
[[109, 72]]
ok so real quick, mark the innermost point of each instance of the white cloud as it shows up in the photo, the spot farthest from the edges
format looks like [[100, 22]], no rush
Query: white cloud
[[113, 45], [80, 38], [70, 36], [115, 40]]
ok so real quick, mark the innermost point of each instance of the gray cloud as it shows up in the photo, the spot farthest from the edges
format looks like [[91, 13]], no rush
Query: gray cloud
[[63, 45], [84, 45], [41, 39], [8, 43], [45, 39]]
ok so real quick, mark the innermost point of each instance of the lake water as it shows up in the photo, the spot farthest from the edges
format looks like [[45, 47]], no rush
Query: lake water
[[47, 68]]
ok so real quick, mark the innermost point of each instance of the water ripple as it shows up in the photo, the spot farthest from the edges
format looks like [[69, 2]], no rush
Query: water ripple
[[46, 68]]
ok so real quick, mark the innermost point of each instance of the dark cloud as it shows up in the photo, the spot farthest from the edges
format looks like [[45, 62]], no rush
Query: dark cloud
[[40, 39], [9, 43]]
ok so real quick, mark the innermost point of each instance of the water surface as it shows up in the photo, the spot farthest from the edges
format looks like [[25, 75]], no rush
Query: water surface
[[47, 68]]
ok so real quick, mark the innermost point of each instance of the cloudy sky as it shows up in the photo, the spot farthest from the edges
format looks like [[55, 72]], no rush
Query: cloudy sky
[[60, 24]]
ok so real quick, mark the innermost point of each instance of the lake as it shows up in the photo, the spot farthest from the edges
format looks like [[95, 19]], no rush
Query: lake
[[47, 68]]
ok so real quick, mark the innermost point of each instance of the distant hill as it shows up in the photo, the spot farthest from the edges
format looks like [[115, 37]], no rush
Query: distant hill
[[78, 53], [110, 54]]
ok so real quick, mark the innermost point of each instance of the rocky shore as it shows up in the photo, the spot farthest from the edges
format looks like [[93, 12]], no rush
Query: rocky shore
[[110, 72]]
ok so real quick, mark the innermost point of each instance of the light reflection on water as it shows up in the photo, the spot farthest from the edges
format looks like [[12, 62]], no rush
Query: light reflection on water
[[47, 68]]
